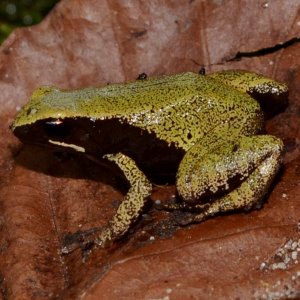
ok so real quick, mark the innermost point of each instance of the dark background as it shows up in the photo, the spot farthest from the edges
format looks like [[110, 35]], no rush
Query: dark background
[[22, 13]]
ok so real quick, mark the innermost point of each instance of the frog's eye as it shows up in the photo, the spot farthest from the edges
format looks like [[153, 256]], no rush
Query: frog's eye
[[57, 129]]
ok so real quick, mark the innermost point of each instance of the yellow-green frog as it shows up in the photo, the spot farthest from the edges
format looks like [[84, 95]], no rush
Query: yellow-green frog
[[203, 128]]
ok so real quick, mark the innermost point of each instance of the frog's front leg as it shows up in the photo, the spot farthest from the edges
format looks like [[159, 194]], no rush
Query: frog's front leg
[[131, 206], [232, 175]]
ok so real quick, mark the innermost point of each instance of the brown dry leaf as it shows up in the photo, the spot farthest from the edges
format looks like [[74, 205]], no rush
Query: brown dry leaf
[[88, 43]]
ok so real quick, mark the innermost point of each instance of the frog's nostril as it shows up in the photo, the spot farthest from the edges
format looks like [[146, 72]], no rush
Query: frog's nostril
[[31, 111]]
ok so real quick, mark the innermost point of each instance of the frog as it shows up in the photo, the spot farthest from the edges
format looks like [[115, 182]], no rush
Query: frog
[[203, 131]]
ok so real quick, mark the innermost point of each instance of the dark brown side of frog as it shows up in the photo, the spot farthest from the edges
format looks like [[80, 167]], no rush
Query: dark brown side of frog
[[271, 104], [155, 157]]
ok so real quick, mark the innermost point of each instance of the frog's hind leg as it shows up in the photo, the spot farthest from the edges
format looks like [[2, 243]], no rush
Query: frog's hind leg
[[245, 168], [249, 82], [271, 94]]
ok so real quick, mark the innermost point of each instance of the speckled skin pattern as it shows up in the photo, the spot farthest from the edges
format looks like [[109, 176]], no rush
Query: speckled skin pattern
[[134, 201], [208, 121]]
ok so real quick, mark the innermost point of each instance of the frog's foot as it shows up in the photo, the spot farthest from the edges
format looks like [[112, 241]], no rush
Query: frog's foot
[[245, 168], [184, 213], [133, 203]]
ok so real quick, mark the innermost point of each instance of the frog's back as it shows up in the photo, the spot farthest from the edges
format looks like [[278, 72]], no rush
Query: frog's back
[[178, 109], [119, 100]]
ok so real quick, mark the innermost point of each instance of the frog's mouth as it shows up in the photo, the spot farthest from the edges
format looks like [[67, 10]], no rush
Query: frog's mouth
[[54, 132]]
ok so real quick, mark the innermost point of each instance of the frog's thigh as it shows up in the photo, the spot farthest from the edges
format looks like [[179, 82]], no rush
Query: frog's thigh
[[246, 167], [248, 195], [250, 82], [132, 204]]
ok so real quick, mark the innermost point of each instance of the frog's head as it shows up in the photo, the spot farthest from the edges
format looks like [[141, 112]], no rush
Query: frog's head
[[48, 119], [65, 120], [46, 103], [59, 133]]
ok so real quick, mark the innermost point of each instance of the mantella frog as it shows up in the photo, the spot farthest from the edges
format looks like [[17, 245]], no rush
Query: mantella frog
[[203, 129]]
